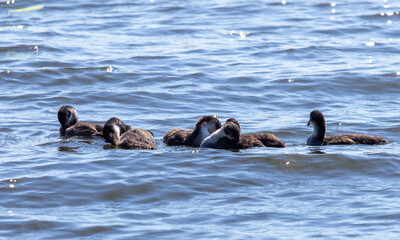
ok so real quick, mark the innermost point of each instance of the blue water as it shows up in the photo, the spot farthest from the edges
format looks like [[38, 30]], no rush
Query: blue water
[[163, 64]]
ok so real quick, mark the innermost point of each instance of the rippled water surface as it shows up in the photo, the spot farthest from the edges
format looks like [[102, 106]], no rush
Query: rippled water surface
[[161, 64]]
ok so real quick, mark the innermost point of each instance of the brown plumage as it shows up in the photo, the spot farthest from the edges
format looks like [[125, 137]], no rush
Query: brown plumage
[[70, 126], [204, 127], [123, 136], [229, 137], [264, 140], [317, 120]]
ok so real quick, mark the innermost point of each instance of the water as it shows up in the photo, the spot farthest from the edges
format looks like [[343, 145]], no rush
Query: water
[[163, 64]]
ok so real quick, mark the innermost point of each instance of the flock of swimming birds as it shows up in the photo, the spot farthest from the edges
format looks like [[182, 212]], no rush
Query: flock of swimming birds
[[208, 133]]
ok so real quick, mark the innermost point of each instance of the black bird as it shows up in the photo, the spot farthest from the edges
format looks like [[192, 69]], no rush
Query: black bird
[[124, 136], [205, 126], [317, 120], [229, 137], [70, 126]]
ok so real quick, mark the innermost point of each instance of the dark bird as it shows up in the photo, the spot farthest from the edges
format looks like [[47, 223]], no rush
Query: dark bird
[[317, 120], [70, 126], [124, 136], [205, 126], [229, 137]]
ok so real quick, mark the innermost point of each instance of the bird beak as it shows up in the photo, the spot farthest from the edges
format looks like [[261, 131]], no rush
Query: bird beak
[[309, 122]]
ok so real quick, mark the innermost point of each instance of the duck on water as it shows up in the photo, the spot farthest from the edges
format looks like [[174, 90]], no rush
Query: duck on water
[[229, 137], [124, 136], [205, 126], [317, 120], [70, 126]]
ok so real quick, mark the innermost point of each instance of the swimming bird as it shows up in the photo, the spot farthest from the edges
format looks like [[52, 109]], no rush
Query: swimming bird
[[124, 136], [317, 120], [70, 126], [229, 137], [205, 126]]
